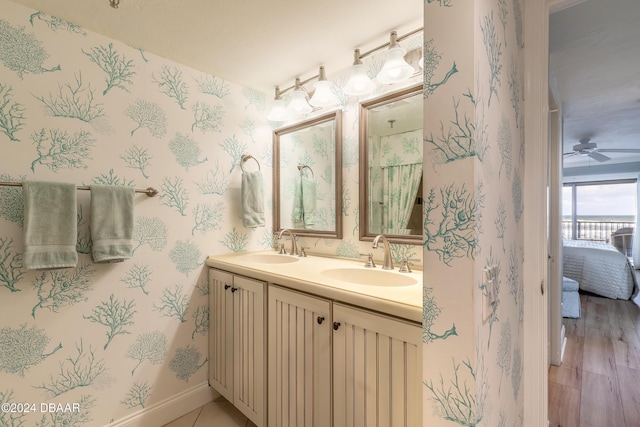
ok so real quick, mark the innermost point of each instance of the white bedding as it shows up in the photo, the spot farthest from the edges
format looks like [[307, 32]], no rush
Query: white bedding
[[599, 268]]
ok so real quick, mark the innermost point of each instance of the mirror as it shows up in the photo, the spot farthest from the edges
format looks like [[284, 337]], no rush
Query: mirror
[[307, 177], [391, 141]]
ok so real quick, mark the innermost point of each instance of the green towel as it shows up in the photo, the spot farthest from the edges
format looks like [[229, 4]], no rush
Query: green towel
[[50, 225], [304, 204], [111, 223], [252, 199]]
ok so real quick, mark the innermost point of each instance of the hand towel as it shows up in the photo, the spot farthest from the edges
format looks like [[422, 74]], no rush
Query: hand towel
[[111, 223], [50, 225], [304, 202], [252, 199]]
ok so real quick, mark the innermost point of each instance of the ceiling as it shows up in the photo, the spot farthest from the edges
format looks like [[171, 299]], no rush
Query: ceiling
[[256, 43], [594, 64]]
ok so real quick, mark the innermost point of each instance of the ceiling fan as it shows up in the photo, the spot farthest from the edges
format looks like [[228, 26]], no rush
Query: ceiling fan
[[590, 149]]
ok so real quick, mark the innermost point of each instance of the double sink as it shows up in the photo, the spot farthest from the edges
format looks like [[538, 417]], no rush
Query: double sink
[[348, 274]]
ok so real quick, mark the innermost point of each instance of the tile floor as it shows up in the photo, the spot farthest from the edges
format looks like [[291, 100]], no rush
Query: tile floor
[[218, 413]]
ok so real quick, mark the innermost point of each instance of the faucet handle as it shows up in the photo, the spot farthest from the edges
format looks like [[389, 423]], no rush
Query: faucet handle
[[282, 251], [405, 268], [302, 253], [369, 263]]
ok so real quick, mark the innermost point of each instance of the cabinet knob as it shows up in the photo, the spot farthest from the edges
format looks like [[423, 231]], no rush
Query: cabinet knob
[[234, 289], [226, 286], [320, 320], [336, 325]]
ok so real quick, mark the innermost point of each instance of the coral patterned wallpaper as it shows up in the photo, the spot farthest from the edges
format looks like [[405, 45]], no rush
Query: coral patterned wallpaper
[[474, 140], [75, 106], [117, 338]]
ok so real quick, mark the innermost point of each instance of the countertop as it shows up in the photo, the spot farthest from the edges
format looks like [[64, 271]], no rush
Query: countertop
[[310, 275]]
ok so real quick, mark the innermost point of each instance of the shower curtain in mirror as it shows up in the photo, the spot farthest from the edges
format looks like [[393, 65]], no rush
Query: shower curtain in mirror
[[400, 186]]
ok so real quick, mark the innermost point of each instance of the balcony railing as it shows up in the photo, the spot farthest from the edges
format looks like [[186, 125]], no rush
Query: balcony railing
[[594, 230]]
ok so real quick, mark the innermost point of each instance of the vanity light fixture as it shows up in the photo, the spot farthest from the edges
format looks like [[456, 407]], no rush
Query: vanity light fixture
[[359, 82], [278, 111], [323, 95], [395, 68]]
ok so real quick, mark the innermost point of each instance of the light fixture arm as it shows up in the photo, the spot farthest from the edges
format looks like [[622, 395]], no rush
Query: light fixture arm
[[298, 84], [387, 44]]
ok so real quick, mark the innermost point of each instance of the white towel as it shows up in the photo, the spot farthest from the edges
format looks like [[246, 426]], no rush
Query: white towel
[[50, 225], [252, 199]]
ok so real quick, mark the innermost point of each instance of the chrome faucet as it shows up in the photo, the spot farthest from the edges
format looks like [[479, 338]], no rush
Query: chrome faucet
[[294, 248], [387, 263]]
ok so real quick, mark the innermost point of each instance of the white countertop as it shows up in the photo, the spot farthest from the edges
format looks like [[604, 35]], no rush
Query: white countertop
[[310, 275]]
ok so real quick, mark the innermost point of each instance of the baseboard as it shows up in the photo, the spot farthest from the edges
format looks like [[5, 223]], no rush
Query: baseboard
[[167, 410]]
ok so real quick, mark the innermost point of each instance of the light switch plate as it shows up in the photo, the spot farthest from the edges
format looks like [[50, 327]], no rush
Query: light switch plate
[[489, 293]]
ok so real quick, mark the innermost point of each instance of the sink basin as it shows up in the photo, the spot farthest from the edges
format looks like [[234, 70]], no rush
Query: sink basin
[[269, 258], [363, 276]]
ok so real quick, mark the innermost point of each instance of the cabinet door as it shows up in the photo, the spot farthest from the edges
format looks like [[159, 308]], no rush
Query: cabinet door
[[221, 332], [299, 360], [377, 370], [249, 391]]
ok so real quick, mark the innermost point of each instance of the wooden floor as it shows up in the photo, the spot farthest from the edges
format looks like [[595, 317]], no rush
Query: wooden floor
[[598, 383]]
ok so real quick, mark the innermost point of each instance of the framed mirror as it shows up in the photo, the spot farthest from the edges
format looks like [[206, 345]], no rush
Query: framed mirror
[[390, 144], [307, 177]]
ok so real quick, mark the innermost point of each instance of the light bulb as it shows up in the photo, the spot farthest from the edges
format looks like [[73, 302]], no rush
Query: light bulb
[[278, 111], [298, 105], [359, 82], [323, 95], [395, 68]]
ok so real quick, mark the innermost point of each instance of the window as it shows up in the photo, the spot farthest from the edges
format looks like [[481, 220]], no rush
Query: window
[[594, 210]]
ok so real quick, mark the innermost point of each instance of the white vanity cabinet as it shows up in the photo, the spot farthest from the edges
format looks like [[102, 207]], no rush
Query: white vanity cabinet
[[299, 359], [377, 370], [237, 336], [375, 361]]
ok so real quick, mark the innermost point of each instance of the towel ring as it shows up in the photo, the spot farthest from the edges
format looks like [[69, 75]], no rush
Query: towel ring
[[302, 167], [246, 157]]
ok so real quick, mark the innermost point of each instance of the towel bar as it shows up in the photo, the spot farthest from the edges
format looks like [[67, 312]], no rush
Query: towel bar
[[149, 191]]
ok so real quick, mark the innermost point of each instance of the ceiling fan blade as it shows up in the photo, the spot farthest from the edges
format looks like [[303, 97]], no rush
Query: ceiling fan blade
[[599, 157], [619, 150], [570, 154]]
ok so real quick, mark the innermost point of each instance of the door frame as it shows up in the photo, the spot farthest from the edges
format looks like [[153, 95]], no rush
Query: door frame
[[536, 313], [536, 110], [557, 339]]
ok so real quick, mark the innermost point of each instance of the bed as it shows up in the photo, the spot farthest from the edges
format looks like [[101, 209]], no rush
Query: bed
[[599, 268]]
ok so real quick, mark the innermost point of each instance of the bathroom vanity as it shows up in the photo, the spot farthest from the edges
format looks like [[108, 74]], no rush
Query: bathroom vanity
[[315, 341]]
